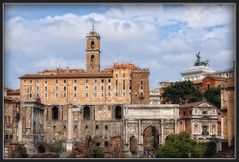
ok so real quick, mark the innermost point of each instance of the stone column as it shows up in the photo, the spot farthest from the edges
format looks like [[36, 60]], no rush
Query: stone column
[[69, 134], [126, 131], [14, 130], [19, 130], [209, 128], [222, 128], [175, 126], [162, 137], [140, 152]]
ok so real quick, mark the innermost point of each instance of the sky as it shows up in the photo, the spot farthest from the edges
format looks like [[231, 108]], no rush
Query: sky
[[161, 37]]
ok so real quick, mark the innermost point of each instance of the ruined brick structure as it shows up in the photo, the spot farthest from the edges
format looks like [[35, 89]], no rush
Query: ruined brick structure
[[30, 125], [227, 111], [11, 107]]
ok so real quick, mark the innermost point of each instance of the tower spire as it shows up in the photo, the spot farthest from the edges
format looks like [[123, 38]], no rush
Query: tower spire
[[93, 24]]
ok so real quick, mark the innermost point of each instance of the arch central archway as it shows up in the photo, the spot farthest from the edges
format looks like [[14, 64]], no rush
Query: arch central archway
[[86, 113], [151, 138]]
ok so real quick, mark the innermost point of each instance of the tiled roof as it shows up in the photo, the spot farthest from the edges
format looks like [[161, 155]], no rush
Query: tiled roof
[[214, 77], [125, 66], [80, 75]]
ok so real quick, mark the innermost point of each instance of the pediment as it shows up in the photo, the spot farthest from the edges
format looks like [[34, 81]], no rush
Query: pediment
[[204, 104]]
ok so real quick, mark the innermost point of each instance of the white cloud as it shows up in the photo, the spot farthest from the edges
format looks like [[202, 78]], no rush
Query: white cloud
[[131, 31]]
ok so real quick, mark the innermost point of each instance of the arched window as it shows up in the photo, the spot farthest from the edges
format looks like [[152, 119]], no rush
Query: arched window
[[118, 112], [86, 113], [92, 59], [55, 113], [92, 44], [106, 127], [208, 85]]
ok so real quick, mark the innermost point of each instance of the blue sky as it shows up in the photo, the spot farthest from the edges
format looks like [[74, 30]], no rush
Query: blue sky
[[161, 37]]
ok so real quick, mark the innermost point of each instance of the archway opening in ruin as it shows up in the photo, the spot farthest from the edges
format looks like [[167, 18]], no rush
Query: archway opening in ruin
[[133, 145], [41, 149], [118, 112], [151, 138], [86, 113], [55, 113]]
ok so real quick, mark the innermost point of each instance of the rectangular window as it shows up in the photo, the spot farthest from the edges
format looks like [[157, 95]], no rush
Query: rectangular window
[[124, 94], [123, 84], [56, 95], [65, 81], [95, 80], [116, 94], [30, 81], [64, 94], [195, 111], [130, 82], [37, 81], [86, 87], [109, 94], [46, 95], [30, 95], [37, 89], [30, 89], [45, 81], [64, 88], [102, 88], [95, 88], [74, 88], [75, 95], [102, 80], [75, 81], [37, 94], [56, 88], [56, 81], [87, 94], [109, 80], [86, 81], [213, 112], [116, 84], [108, 87], [102, 94], [141, 85]]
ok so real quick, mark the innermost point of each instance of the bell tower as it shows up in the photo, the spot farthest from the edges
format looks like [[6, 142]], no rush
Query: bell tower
[[93, 51]]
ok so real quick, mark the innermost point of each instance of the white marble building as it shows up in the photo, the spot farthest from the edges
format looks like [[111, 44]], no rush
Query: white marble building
[[149, 126], [196, 73]]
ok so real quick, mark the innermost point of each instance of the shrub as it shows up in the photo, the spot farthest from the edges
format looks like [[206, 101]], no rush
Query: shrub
[[182, 146], [97, 153]]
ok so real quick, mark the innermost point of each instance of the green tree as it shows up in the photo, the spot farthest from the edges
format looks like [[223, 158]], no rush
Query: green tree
[[182, 146], [178, 146], [213, 95], [181, 92], [97, 153]]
